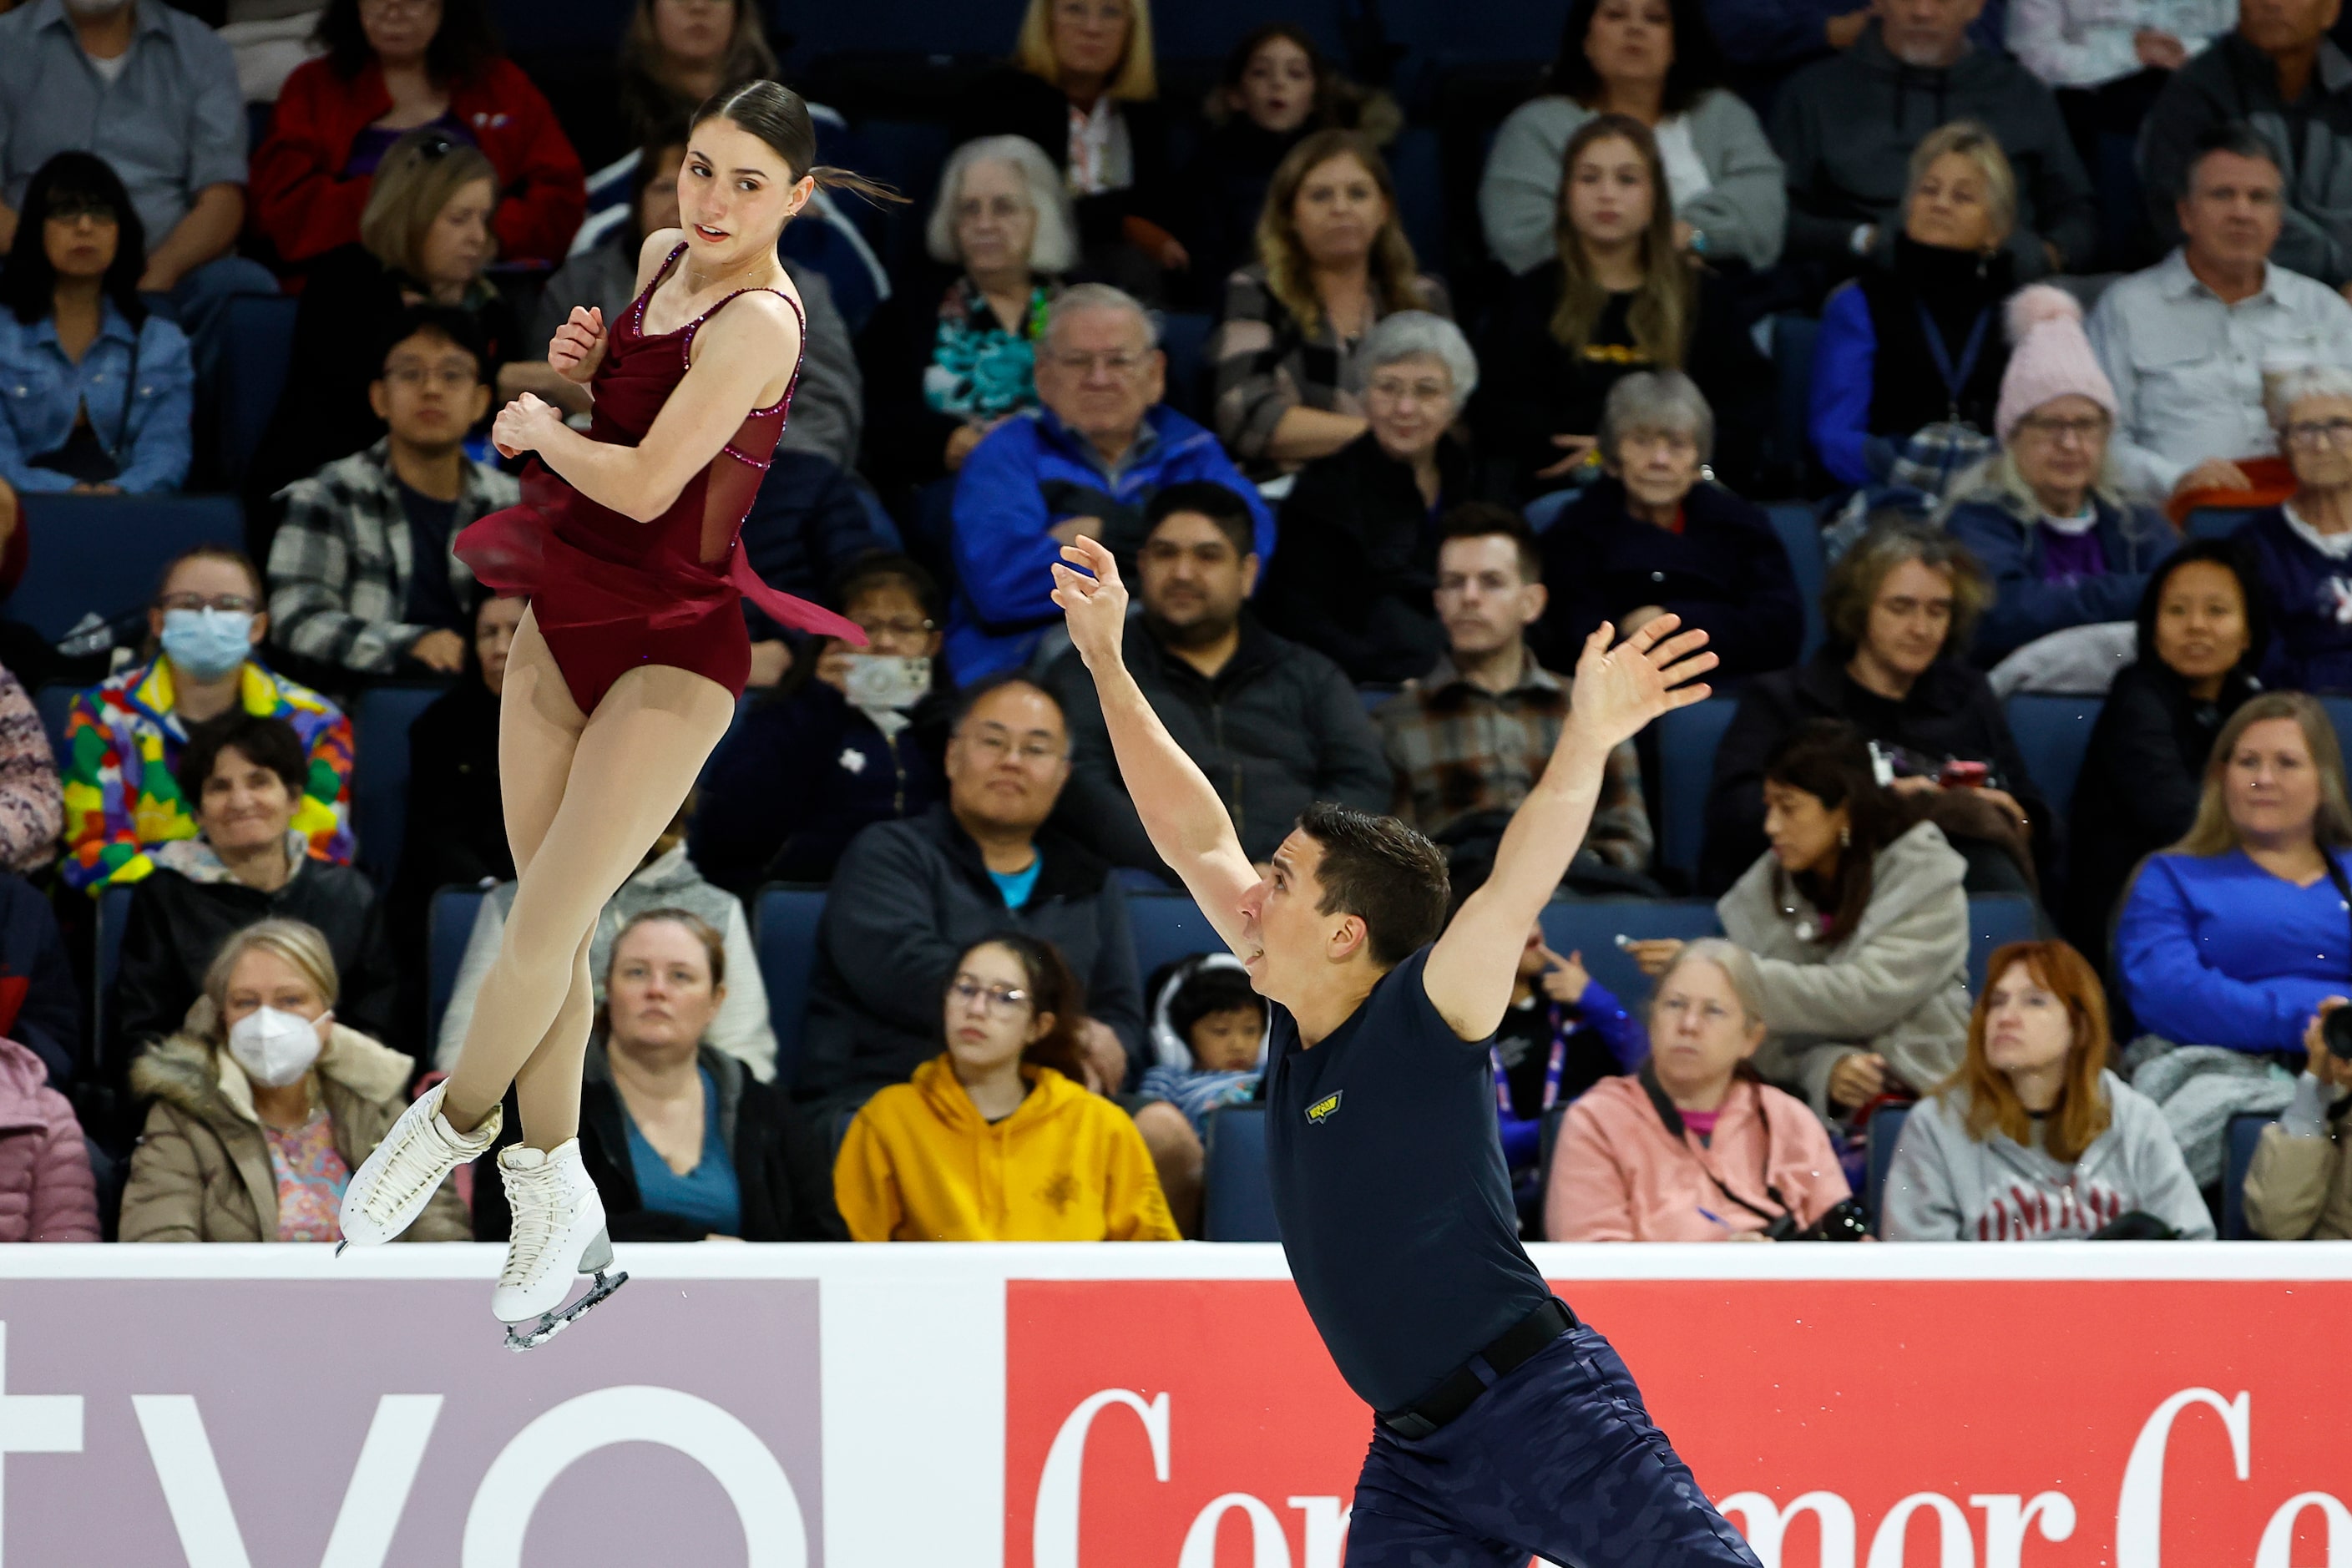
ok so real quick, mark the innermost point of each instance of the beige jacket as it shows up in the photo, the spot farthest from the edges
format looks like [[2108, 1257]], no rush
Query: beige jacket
[[202, 1172], [2300, 1189], [1897, 984]]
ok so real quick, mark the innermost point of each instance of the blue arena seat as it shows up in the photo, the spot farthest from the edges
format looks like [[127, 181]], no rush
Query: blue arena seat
[[448, 926], [1591, 926], [2218, 522], [102, 555], [254, 357], [380, 722], [113, 914], [1237, 1199], [1545, 510], [1184, 338], [2053, 733], [1885, 1128], [784, 931], [2240, 1139], [1792, 362], [2339, 713], [1687, 738], [53, 703], [1800, 536], [1167, 927], [1996, 920]]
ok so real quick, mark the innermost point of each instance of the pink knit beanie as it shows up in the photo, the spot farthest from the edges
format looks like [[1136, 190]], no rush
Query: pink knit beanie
[[2050, 357]]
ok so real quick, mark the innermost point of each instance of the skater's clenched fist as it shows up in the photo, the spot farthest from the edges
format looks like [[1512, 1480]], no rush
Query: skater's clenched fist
[[578, 346]]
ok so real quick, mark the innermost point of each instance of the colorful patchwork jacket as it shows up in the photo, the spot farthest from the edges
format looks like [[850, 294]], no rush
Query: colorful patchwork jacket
[[122, 742]]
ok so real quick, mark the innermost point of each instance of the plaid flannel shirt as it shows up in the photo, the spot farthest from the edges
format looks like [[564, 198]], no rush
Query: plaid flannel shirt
[[340, 563], [1458, 748]]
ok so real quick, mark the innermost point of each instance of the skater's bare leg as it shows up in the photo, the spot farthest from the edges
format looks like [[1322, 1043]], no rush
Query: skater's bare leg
[[629, 769]]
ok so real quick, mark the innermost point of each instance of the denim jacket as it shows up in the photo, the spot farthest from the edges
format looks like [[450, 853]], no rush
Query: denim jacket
[[40, 389]]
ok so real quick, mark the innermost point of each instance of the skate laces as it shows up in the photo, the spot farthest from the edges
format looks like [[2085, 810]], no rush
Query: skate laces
[[411, 1167], [532, 1232]]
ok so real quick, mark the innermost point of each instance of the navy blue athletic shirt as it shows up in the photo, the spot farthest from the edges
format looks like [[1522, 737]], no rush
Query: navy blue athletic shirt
[[1390, 1187]]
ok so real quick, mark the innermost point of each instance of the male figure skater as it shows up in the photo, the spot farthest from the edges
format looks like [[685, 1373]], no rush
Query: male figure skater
[[1505, 1428]]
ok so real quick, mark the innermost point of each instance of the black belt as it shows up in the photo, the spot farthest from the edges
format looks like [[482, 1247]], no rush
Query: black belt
[[1512, 1348]]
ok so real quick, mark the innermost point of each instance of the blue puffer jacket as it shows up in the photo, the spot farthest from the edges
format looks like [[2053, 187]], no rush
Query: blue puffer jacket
[[2003, 531], [1034, 472], [41, 391]]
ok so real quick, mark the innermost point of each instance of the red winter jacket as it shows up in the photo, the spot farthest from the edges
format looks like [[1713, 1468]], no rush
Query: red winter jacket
[[303, 203], [47, 1193]]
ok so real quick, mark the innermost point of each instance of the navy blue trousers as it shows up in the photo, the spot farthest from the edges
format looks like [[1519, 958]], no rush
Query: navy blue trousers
[[1558, 1460]]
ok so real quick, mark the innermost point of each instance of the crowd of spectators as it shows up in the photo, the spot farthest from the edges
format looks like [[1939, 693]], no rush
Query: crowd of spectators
[[2029, 329]]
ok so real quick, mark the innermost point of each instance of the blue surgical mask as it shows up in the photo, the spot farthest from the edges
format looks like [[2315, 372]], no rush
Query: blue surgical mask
[[207, 643]]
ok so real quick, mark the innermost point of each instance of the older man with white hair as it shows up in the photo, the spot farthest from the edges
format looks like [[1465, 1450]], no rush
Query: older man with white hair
[[1087, 462]]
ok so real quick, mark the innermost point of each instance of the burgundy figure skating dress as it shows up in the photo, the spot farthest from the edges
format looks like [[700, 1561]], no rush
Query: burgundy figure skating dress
[[609, 593]]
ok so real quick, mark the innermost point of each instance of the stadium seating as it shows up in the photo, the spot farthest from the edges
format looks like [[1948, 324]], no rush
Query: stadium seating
[[380, 722], [1184, 338], [53, 703], [1879, 1140], [2053, 733], [1800, 536], [2240, 1139], [1545, 510], [1591, 926], [1166, 927], [103, 555], [2339, 713], [2217, 521], [784, 932], [1237, 1200], [257, 351], [448, 927], [1995, 920], [113, 915], [1686, 741]]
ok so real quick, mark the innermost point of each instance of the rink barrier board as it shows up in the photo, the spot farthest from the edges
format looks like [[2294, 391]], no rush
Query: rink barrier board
[[1961, 1406]]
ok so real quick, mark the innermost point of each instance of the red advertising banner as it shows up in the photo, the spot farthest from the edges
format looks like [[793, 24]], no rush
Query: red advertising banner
[[1840, 1424]]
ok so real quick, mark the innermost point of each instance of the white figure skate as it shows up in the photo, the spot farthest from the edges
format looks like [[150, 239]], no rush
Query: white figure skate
[[393, 1185], [559, 1232]]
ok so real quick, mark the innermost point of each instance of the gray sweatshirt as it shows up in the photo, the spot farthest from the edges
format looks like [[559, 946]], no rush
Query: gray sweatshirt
[[1947, 1186], [1742, 210], [1896, 984]]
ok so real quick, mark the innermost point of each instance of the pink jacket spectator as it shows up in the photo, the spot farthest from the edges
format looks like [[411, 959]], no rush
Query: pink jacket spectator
[[1618, 1175], [47, 1193]]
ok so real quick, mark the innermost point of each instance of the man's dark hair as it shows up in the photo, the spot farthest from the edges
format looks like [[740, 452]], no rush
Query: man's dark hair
[[1484, 519], [2233, 136], [971, 696], [263, 741], [462, 328], [1212, 501], [1384, 873]]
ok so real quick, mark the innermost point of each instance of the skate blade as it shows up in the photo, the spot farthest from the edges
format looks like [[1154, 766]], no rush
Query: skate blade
[[341, 1245], [549, 1324]]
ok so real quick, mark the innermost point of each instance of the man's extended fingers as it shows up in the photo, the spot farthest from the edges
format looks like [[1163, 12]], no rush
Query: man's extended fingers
[[1690, 669], [1642, 638], [1602, 635], [1675, 647]]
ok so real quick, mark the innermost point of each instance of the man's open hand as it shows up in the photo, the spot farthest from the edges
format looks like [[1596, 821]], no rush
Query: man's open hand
[[1619, 690], [1096, 605]]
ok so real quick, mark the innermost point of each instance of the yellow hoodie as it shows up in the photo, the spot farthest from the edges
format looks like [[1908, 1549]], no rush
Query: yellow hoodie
[[919, 1164]]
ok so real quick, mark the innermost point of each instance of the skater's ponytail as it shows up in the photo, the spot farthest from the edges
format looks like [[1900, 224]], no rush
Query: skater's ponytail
[[780, 117]]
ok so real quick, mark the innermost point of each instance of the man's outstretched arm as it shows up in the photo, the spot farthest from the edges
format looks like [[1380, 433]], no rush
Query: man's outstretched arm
[[1187, 823], [1618, 690]]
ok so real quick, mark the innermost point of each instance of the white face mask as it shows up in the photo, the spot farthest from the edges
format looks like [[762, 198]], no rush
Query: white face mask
[[274, 1048]]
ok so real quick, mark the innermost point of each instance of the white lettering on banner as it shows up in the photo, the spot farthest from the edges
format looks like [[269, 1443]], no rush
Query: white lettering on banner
[[2140, 1507], [1053, 1538], [1764, 1525], [774, 1534], [1269, 1548], [1327, 1529], [181, 1453], [2008, 1516], [36, 1423], [2278, 1536], [1957, 1547]]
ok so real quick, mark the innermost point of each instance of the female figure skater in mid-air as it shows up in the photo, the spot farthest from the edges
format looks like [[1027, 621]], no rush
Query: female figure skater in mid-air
[[624, 671]]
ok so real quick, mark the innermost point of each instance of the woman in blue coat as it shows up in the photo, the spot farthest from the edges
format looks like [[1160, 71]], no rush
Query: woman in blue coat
[[96, 390]]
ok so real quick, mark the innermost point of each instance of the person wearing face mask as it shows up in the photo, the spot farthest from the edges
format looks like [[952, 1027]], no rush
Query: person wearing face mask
[[1696, 1146], [263, 1102], [1276, 90], [1858, 922], [242, 775], [1331, 260], [2033, 1139], [390, 70], [1907, 369], [2232, 938], [1901, 605], [124, 738], [855, 737], [1620, 296], [2202, 628], [683, 1143], [998, 1138], [1651, 535], [425, 239]]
